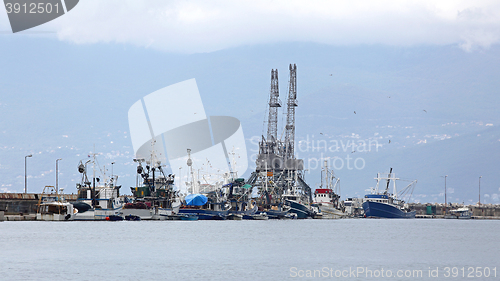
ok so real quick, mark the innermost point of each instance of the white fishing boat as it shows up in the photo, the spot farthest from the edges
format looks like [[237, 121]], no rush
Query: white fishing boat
[[97, 199], [53, 207], [326, 197]]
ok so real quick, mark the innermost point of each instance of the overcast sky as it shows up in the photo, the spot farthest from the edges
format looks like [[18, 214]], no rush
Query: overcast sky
[[204, 26]]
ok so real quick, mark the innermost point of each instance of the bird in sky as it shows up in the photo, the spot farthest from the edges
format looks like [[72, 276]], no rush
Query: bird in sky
[[355, 112], [425, 111], [389, 141]]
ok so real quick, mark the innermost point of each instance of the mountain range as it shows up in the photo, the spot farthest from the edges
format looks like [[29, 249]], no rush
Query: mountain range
[[431, 110]]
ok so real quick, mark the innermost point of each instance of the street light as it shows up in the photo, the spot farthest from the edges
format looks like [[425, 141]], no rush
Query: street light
[[57, 172], [480, 190], [25, 178]]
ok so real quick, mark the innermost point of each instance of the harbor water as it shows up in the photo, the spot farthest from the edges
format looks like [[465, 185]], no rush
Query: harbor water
[[348, 249]]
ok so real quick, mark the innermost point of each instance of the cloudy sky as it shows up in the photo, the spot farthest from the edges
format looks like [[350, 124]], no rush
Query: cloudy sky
[[205, 26]]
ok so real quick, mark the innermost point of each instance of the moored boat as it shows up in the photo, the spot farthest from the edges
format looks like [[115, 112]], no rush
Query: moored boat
[[326, 200], [132, 218], [387, 205], [259, 216], [207, 202], [460, 213], [98, 199], [297, 206], [154, 197], [52, 207]]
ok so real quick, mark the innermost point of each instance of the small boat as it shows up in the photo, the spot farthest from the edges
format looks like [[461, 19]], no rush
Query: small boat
[[259, 216], [189, 217], [275, 213], [53, 207], [114, 218], [235, 217], [460, 213], [386, 205], [132, 218]]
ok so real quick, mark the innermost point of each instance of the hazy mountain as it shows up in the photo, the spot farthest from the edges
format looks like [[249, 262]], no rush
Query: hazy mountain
[[57, 100]]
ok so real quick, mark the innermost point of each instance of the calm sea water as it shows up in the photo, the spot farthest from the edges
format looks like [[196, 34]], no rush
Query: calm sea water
[[250, 250]]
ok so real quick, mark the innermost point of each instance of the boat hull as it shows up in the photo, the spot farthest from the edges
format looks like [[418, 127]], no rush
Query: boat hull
[[96, 214], [383, 210], [203, 214], [53, 217], [302, 211], [328, 211]]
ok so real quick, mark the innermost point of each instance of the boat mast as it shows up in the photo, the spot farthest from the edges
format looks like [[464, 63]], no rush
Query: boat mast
[[190, 163], [92, 193], [388, 181]]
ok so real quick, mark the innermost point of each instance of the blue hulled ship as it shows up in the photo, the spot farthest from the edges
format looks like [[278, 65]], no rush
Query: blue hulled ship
[[378, 206], [387, 205]]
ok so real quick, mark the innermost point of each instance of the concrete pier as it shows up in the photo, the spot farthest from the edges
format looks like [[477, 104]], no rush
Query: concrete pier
[[437, 210], [23, 206]]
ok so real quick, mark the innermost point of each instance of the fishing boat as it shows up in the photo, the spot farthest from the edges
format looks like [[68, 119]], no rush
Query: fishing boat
[[326, 199], [208, 201], [386, 205], [114, 218], [208, 206], [297, 206], [97, 199], [154, 197], [298, 202], [52, 206], [238, 197]]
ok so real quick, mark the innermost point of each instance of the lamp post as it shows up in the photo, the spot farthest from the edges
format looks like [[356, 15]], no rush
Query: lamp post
[[480, 190], [57, 174], [25, 177]]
